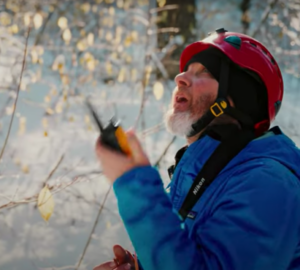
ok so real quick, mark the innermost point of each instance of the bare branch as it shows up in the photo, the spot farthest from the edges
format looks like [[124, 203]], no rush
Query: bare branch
[[17, 95], [264, 17], [93, 229], [165, 151]]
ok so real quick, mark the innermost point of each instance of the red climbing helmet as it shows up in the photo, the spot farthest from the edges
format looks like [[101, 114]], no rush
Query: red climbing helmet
[[249, 54]]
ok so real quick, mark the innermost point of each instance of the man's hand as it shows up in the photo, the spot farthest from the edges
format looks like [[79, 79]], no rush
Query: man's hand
[[123, 261], [115, 164]]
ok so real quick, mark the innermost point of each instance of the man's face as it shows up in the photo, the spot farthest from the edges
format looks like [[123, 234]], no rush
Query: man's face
[[195, 92]]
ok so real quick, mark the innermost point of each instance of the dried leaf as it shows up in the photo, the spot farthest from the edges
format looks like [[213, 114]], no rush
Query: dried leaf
[[62, 22], [158, 90], [120, 3], [67, 35], [47, 99], [27, 19], [49, 111], [111, 11], [109, 68], [71, 119], [34, 56], [5, 19], [45, 133], [58, 108], [90, 39], [45, 203], [14, 29], [25, 169], [22, 125], [82, 45], [37, 20], [85, 7], [122, 75], [59, 62]]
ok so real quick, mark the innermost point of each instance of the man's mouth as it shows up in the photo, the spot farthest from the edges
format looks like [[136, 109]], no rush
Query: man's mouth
[[180, 100]]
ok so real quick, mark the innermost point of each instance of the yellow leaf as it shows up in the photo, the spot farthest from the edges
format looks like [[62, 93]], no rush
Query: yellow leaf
[[128, 41], [5, 18], [65, 79], [17, 161], [67, 35], [120, 3], [108, 225], [85, 7], [158, 90], [49, 111], [95, 8], [108, 36], [109, 1], [90, 39], [45, 203], [91, 65], [87, 119], [134, 36], [109, 68], [47, 99], [148, 70], [14, 29], [27, 19], [37, 20], [25, 169], [111, 11], [62, 22], [82, 45], [58, 108], [45, 122], [34, 56], [71, 119], [22, 125], [161, 3], [45, 133], [122, 74]]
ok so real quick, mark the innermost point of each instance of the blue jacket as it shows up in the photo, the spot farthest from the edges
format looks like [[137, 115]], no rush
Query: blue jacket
[[247, 219]]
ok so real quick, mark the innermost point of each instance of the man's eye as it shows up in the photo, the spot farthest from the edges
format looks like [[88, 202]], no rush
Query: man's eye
[[205, 70]]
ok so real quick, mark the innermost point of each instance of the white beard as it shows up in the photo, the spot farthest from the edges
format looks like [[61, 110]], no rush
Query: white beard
[[179, 123]]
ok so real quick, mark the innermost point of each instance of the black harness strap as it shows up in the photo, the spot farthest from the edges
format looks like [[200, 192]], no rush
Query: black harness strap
[[226, 151]]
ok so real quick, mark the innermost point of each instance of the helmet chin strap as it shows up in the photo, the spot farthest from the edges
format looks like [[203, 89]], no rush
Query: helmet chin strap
[[221, 106]]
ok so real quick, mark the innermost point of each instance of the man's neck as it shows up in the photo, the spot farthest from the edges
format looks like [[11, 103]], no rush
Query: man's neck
[[194, 138]]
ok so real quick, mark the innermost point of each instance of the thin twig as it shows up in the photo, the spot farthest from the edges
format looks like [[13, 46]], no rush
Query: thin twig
[[17, 95], [144, 80], [165, 151], [264, 17], [54, 169], [93, 229]]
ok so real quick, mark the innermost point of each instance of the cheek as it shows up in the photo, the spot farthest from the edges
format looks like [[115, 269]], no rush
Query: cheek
[[205, 87]]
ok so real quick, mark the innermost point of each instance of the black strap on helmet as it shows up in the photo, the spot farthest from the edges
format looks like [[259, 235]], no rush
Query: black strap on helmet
[[221, 105]]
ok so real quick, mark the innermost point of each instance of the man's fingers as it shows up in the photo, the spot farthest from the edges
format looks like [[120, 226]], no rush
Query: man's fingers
[[136, 148], [111, 265], [126, 266]]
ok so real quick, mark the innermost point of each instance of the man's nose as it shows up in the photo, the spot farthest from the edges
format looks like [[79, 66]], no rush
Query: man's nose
[[182, 80]]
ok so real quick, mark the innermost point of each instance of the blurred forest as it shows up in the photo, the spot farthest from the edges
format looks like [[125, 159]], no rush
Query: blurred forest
[[124, 55]]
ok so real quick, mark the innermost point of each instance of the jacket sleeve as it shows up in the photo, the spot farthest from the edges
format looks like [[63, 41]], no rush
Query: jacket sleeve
[[254, 222]]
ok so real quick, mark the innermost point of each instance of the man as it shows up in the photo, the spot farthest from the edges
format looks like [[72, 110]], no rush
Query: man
[[234, 200]]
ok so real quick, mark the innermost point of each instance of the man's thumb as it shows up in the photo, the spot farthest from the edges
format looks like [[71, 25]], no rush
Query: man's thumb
[[122, 256]]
